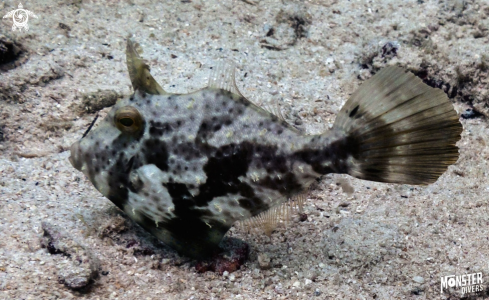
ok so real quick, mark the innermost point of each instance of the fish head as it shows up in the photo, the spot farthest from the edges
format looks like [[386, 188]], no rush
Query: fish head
[[108, 153]]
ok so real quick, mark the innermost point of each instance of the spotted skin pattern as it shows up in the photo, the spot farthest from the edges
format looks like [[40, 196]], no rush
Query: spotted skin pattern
[[187, 167], [201, 162]]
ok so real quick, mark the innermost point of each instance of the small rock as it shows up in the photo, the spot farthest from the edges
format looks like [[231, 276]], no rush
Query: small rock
[[471, 113], [264, 261], [296, 284], [96, 101], [84, 266], [346, 186], [12, 54], [390, 49], [279, 289], [417, 291], [418, 279]]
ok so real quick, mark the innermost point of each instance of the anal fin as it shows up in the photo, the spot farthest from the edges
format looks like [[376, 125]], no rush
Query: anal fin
[[269, 220]]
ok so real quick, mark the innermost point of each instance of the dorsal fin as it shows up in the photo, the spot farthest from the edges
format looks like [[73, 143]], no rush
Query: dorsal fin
[[141, 78], [223, 77]]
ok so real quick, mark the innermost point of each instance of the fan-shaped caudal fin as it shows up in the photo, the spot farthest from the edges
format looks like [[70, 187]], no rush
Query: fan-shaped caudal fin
[[141, 78], [399, 129]]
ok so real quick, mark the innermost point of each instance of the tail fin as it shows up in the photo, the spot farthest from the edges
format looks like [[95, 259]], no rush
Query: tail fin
[[399, 129]]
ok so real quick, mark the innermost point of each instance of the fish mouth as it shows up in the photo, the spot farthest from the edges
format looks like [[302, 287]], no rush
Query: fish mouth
[[74, 155]]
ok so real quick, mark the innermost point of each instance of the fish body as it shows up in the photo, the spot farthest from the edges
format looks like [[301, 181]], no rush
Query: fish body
[[203, 164], [188, 166]]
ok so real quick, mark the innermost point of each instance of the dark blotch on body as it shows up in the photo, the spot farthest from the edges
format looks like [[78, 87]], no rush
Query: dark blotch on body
[[192, 236], [158, 129], [286, 185], [187, 150], [118, 182], [319, 156], [156, 153], [225, 165]]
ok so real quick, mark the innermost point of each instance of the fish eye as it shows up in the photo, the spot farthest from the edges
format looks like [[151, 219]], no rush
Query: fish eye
[[128, 119], [126, 122]]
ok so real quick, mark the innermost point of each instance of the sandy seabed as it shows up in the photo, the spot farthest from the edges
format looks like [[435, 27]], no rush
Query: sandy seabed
[[360, 240]]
